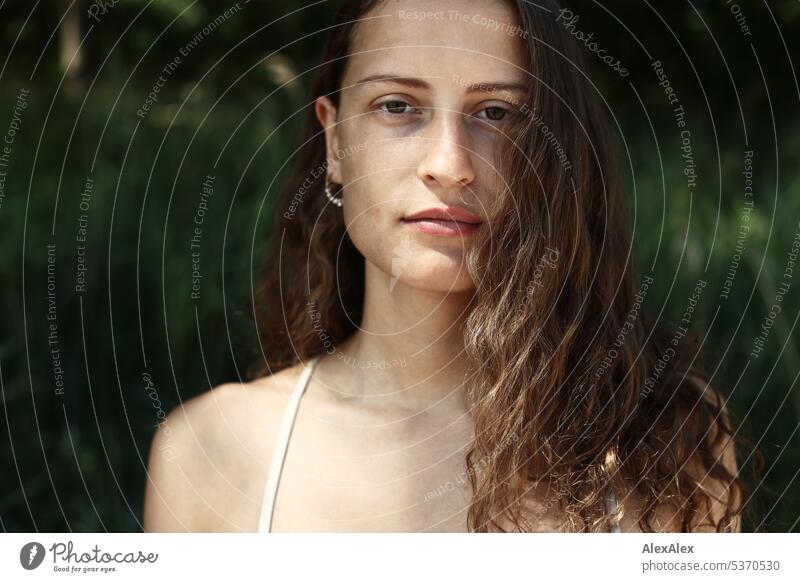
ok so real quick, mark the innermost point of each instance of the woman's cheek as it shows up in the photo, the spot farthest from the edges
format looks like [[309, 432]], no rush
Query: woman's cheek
[[361, 216]]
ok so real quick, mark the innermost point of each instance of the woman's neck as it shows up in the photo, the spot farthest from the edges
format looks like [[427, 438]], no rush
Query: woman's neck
[[409, 346]]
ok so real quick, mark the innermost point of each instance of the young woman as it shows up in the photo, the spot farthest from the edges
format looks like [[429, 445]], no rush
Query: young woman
[[450, 292]]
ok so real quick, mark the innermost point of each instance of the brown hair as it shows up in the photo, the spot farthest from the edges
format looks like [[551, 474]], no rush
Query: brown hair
[[562, 386]]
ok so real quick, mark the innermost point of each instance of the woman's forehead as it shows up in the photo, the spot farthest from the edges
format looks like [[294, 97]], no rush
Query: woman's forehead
[[439, 36]]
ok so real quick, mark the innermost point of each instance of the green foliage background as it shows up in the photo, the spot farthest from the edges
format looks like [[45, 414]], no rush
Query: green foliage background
[[77, 461]]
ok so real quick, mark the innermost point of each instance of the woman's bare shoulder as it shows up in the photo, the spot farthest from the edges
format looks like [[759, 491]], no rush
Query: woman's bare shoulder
[[246, 401], [209, 456]]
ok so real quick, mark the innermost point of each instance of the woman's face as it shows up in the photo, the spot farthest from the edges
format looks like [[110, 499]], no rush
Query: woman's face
[[424, 138]]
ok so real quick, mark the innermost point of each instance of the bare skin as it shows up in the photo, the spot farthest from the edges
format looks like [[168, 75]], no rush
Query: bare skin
[[208, 465], [372, 449]]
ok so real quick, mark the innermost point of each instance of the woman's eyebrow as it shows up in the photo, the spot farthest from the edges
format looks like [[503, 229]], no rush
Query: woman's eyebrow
[[417, 83]]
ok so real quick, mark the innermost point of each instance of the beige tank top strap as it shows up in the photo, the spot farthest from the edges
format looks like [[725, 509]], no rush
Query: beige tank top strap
[[281, 446]]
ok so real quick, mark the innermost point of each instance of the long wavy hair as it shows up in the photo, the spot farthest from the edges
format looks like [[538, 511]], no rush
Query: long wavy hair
[[569, 382]]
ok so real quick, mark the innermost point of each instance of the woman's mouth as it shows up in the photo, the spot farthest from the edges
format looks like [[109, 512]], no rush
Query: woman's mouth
[[447, 221], [442, 227]]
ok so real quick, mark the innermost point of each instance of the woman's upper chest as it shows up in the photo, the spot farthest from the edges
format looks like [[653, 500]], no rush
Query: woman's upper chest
[[375, 472], [353, 472]]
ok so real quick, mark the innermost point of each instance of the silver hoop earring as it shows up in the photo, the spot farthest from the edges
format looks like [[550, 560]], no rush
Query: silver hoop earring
[[334, 200]]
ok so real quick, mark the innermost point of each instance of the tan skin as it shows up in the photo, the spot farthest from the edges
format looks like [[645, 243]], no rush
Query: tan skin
[[370, 445]]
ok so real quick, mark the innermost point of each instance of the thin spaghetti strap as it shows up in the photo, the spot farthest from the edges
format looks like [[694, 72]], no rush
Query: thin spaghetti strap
[[612, 506], [281, 445]]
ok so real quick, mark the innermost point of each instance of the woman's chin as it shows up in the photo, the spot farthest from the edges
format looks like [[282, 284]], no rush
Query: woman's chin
[[435, 281]]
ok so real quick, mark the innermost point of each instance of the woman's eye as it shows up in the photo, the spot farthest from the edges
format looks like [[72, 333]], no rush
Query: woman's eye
[[495, 113], [395, 107]]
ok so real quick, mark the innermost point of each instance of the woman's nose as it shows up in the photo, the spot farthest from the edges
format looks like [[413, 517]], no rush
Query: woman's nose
[[447, 159]]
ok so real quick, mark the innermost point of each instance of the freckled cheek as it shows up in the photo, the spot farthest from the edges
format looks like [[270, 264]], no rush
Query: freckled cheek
[[380, 182], [489, 181], [380, 177], [493, 184]]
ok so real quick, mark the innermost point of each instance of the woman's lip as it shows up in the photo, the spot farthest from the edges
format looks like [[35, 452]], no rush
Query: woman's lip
[[439, 227], [448, 213]]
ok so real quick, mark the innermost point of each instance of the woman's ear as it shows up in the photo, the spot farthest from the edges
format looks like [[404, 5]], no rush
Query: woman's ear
[[327, 116]]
